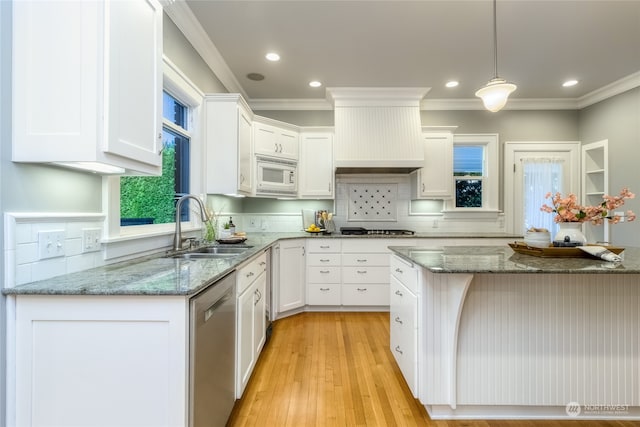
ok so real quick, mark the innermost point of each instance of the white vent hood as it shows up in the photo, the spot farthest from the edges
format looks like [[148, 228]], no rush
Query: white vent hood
[[377, 130]]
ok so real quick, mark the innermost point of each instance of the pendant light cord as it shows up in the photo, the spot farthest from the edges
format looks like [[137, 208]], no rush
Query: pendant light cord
[[495, 41]]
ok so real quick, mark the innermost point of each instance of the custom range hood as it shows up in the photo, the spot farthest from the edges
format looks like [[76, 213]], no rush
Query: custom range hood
[[377, 130]]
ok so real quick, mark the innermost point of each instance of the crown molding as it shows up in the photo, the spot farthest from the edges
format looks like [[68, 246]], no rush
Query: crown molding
[[512, 104], [188, 24], [629, 82], [264, 104]]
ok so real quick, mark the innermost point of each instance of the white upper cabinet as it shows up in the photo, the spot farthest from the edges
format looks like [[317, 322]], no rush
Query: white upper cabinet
[[316, 165], [435, 179], [227, 135], [275, 139], [87, 84]]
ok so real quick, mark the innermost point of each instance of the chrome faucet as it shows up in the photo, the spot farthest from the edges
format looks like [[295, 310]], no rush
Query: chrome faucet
[[177, 237]]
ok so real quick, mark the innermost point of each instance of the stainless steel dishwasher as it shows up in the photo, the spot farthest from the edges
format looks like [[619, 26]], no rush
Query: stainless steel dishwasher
[[212, 354]]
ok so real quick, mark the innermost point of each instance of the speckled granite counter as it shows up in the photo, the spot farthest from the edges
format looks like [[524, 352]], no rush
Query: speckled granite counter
[[158, 275], [502, 259]]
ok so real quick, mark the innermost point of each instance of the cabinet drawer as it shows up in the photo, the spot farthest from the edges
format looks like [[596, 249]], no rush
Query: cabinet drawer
[[323, 259], [365, 275], [323, 275], [250, 272], [365, 294], [318, 294], [323, 245], [405, 273], [365, 259]]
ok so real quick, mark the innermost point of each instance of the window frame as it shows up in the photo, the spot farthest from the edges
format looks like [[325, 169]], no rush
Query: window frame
[[490, 178], [187, 93]]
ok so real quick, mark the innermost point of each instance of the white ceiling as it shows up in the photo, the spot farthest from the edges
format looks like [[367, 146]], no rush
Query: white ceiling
[[395, 43]]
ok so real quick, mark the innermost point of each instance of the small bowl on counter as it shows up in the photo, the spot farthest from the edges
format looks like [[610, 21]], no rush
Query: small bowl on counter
[[537, 239]]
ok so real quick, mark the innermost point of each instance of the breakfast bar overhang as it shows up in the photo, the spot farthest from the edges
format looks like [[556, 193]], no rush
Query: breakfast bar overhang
[[506, 335]]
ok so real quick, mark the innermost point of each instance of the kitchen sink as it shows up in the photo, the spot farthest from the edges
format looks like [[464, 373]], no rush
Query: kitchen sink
[[210, 252]]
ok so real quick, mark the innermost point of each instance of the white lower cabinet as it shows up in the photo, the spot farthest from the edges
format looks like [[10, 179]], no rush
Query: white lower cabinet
[[365, 273], [84, 360], [289, 275], [323, 272], [251, 320], [403, 317]]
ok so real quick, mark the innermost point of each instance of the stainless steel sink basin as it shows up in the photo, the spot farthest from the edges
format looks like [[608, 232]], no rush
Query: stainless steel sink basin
[[210, 252]]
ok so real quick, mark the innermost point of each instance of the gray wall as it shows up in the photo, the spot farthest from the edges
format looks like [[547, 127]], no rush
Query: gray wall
[[617, 119], [5, 111]]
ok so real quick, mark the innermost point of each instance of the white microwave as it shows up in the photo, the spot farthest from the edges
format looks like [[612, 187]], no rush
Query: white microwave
[[276, 177]]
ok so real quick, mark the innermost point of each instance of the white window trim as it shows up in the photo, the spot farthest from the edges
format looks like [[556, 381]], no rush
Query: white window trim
[[491, 181], [184, 90]]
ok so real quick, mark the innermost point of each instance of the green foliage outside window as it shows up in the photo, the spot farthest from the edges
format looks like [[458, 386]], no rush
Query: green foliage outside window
[[468, 193], [151, 197]]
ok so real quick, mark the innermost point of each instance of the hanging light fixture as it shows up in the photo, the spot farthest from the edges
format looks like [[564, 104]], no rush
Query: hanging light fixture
[[495, 93]]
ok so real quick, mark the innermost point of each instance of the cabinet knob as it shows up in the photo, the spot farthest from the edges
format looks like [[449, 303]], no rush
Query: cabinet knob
[[397, 319]]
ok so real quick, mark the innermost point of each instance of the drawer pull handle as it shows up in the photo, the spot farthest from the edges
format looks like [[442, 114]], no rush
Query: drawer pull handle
[[249, 274], [361, 260], [263, 263], [398, 349], [362, 289], [397, 319], [325, 289], [399, 293], [361, 271], [324, 247], [325, 260], [399, 271], [325, 271]]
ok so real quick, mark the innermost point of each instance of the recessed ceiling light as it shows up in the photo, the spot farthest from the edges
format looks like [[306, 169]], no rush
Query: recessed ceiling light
[[569, 83], [272, 56], [315, 83], [452, 83]]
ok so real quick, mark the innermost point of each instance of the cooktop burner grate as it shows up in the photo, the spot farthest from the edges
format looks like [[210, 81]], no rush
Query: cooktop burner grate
[[364, 231]]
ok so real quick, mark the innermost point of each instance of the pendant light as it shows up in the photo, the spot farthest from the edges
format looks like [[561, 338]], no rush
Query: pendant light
[[495, 93]]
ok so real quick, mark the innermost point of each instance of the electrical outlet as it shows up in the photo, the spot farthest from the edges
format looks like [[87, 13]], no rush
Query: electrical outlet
[[51, 244], [91, 239], [252, 222], [264, 225]]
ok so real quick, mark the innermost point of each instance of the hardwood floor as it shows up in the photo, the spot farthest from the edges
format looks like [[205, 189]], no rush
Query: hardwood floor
[[335, 369]]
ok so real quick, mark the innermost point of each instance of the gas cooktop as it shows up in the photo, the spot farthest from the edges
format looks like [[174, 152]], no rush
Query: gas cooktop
[[363, 231]]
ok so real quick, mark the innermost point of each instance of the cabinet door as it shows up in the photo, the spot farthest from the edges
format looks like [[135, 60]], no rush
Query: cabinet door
[[435, 179], [245, 348], [259, 314], [288, 143], [316, 166], [292, 275], [134, 64], [274, 141], [245, 158]]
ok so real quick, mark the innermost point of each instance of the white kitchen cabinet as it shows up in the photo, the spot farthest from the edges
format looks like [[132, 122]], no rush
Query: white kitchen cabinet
[[403, 318], [315, 171], [365, 273], [275, 139], [101, 360], [227, 135], [289, 285], [323, 272], [251, 320], [435, 179], [87, 85], [595, 184]]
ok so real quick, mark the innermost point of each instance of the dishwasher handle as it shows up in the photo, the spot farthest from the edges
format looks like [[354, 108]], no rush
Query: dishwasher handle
[[209, 311]]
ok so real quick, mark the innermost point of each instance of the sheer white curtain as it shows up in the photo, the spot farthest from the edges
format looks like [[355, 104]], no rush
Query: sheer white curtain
[[541, 176]]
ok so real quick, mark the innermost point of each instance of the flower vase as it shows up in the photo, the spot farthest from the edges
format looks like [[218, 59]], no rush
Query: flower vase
[[571, 233]]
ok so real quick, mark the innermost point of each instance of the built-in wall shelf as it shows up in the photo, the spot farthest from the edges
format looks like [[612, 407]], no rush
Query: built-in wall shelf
[[595, 184]]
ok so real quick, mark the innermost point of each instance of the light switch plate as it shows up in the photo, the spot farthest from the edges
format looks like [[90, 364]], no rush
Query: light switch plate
[[91, 239], [51, 244]]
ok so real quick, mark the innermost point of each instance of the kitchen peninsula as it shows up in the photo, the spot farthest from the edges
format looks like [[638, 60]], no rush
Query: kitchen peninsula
[[497, 334]]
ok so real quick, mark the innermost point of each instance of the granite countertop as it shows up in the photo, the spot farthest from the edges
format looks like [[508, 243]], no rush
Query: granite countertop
[[502, 259], [161, 275]]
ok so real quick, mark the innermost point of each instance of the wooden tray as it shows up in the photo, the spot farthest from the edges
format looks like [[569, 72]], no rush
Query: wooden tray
[[556, 252]]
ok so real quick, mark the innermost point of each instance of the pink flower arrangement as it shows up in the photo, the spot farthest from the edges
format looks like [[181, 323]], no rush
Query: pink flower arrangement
[[567, 209]]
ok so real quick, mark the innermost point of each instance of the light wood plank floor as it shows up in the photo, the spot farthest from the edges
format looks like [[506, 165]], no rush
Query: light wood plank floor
[[335, 369]]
